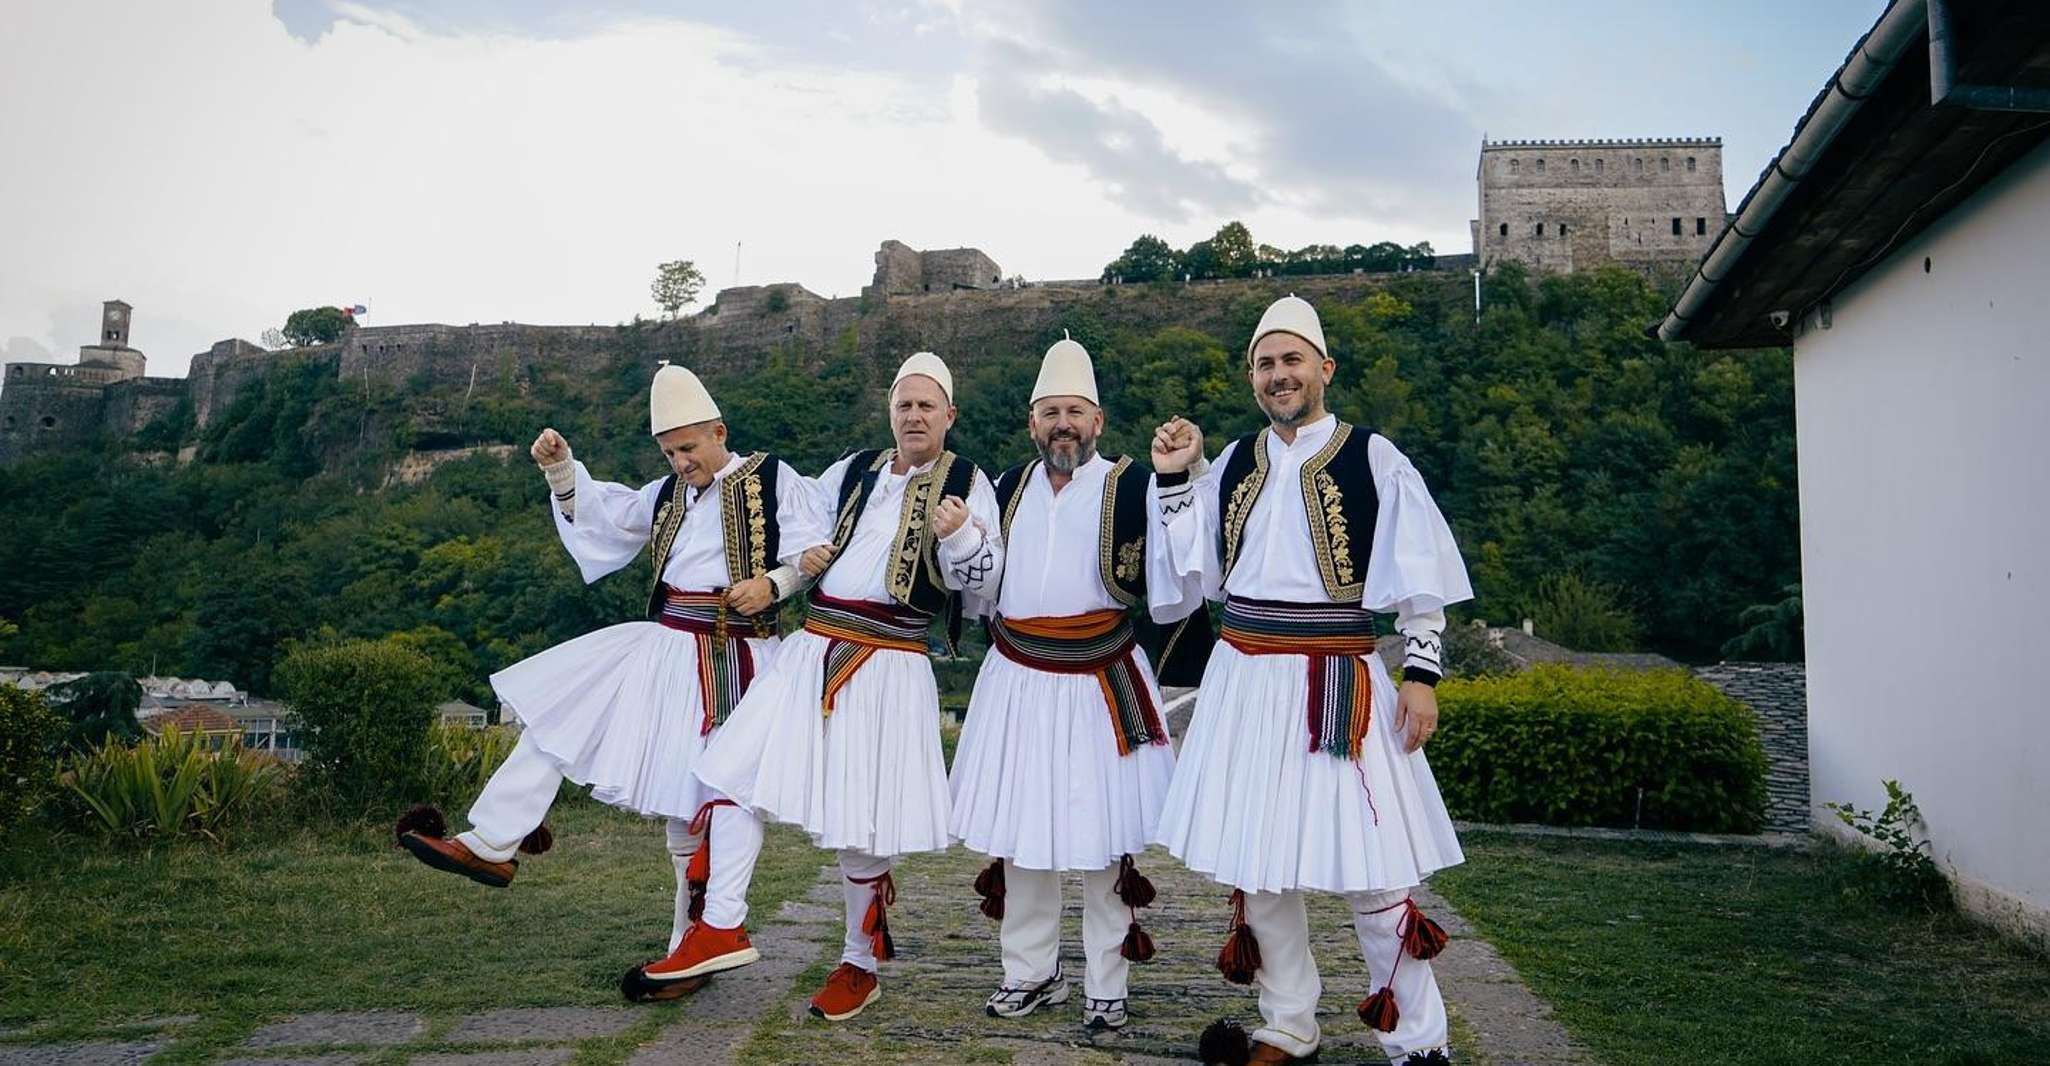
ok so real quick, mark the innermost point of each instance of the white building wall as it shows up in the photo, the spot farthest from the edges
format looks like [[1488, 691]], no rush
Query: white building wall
[[1924, 434]]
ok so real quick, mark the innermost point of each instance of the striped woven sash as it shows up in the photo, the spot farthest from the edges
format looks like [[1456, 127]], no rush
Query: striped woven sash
[[1099, 643], [1335, 638], [854, 631], [726, 665]]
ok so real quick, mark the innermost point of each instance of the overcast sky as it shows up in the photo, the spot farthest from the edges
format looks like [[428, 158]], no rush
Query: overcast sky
[[218, 163]]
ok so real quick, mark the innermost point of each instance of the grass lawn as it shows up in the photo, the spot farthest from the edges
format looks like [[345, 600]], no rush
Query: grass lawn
[[1663, 954], [93, 935]]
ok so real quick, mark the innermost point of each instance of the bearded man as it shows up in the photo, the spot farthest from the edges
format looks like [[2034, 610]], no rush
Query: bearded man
[[1302, 769]]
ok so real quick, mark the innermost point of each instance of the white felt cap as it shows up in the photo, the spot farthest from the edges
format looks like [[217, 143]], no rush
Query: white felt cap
[[1290, 314], [678, 398], [1066, 371], [930, 365]]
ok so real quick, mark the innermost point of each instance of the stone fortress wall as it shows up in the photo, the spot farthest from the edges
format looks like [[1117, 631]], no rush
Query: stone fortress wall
[[1559, 206], [1653, 205]]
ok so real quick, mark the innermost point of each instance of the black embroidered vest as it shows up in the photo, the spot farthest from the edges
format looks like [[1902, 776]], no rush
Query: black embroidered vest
[[1338, 494], [912, 573], [747, 518], [1179, 651], [1121, 539]]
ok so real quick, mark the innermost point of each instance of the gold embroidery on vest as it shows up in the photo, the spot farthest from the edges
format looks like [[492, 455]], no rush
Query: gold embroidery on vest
[[743, 522], [1240, 507], [668, 520], [1323, 504], [914, 534], [1114, 562]]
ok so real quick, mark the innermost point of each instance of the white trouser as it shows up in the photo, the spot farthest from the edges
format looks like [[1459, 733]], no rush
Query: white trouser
[[1289, 986], [514, 802], [736, 844], [858, 948], [1032, 930]]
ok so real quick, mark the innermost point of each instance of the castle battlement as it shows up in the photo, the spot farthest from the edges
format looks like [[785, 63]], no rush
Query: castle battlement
[[1626, 142]]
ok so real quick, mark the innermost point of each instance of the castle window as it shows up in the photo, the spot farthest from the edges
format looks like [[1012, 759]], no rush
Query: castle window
[[1505, 229], [1573, 165], [1515, 166], [1637, 165], [1665, 164], [1701, 227], [1562, 229], [1541, 166], [1540, 229], [1690, 164], [1600, 165], [1676, 227]]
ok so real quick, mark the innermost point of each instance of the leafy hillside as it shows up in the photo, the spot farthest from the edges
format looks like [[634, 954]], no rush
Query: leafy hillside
[[1559, 440]]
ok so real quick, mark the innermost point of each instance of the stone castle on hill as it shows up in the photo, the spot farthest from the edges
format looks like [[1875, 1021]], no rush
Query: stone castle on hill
[[1555, 206], [1559, 206]]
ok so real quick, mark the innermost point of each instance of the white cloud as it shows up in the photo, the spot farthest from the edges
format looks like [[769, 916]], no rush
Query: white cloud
[[500, 159]]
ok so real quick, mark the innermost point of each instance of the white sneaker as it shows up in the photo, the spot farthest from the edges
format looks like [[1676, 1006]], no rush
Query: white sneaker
[[1101, 1014], [1011, 1002]]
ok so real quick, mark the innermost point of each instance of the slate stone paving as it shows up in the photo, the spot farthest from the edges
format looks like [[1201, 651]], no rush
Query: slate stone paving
[[374, 1028]]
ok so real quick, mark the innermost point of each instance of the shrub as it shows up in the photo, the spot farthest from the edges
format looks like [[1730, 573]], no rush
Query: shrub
[[29, 734], [459, 760], [1583, 615], [1572, 746], [363, 709], [1901, 870], [171, 786]]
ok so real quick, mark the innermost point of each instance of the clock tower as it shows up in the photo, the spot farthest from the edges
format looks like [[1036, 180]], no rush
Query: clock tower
[[114, 324], [109, 357]]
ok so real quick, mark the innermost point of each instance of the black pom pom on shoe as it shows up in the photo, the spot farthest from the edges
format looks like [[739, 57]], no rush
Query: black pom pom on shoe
[[423, 818], [1225, 1043], [538, 841]]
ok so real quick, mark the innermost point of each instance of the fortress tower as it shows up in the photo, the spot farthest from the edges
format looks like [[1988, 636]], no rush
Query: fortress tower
[[1561, 206]]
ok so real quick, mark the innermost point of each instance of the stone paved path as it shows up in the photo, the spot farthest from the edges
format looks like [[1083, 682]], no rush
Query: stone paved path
[[931, 1010]]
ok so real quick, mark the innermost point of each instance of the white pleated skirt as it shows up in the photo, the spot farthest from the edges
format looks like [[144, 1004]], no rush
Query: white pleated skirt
[[1252, 807], [870, 778], [620, 710], [1037, 776]]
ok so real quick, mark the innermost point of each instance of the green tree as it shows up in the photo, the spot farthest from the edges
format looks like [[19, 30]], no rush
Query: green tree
[[1772, 631], [316, 325], [1147, 259], [1233, 247], [96, 707], [676, 286]]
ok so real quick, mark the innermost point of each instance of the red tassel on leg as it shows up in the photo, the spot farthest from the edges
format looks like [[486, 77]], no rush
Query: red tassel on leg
[[1138, 947], [1421, 937], [1240, 958], [698, 875], [1379, 1012], [876, 923], [989, 884], [1132, 886]]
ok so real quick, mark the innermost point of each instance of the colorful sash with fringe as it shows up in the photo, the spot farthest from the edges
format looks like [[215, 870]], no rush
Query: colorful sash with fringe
[[726, 666], [1099, 643], [1336, 638], [854, 631]]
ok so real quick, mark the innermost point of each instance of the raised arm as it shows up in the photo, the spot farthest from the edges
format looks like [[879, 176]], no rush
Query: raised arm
[[603, 524], [1182, 566]]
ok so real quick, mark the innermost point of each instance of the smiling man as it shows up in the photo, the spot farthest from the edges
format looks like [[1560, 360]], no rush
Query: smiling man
[[1303, 767], [629, 709], [842, 735], [1064, 759]]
